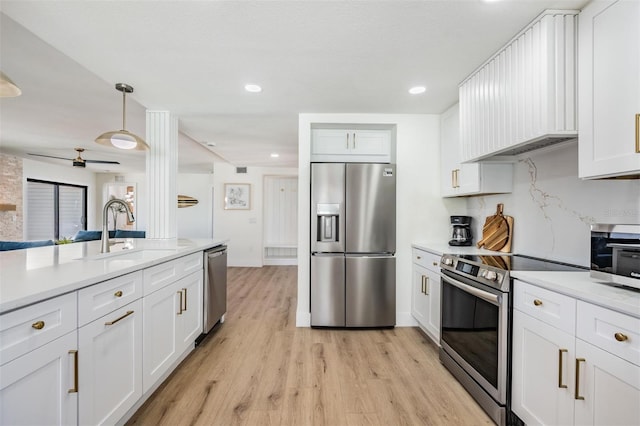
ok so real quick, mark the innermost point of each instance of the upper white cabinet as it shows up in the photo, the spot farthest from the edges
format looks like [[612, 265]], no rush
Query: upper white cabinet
[[524, 96], [609, 89], [467, 178], [351, 145]]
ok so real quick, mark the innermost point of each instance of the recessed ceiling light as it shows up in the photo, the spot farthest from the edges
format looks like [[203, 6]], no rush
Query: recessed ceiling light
[[253, 88], [417, 90], [275, 155]]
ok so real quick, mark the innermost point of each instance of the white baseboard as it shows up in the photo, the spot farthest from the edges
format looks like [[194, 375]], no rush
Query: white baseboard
[[303, 319], [285, 262]]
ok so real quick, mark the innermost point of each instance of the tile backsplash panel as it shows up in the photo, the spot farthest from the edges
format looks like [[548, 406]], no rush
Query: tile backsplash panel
[[553, 209]]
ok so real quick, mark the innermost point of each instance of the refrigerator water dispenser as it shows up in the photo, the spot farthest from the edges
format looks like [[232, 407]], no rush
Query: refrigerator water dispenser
[[328, 222]]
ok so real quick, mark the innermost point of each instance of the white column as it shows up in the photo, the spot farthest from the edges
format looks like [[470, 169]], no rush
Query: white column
[[162, 173]]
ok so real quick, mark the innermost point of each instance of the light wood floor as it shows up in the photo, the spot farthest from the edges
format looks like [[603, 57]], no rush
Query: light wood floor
[[259, 369]]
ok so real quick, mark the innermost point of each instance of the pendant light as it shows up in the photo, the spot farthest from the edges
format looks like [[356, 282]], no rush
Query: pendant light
[[123, 139], [8, 88]]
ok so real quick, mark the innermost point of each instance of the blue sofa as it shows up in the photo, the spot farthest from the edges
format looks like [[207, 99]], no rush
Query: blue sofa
[[18, 245]]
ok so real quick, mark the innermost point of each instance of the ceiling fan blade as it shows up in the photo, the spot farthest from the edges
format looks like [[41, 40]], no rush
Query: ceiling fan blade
[[51, 156], [101, 161]]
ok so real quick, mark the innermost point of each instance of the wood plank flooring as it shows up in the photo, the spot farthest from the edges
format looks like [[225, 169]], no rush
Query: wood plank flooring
[[259, 369]]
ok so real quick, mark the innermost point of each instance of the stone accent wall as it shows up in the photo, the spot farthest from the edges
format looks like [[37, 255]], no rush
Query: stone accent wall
[[11, 194]]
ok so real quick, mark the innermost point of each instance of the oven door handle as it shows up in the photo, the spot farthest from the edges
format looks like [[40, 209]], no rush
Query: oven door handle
[[484, 295]]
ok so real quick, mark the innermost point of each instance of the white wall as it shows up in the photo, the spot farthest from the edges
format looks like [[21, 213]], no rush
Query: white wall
[[422, 215], [553, 209], [64, 174], [243, 228], [196, 221]]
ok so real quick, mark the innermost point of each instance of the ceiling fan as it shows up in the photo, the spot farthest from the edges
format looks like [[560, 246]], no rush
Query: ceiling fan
[[78, 161]]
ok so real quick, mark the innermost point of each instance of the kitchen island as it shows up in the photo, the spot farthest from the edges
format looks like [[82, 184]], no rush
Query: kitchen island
[[110, 327]]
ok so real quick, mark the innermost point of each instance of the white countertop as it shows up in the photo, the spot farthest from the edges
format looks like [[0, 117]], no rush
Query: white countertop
[[583, 287], [32, 275]]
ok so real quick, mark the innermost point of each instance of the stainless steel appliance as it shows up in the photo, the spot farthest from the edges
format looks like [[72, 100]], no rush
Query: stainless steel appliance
[[475, 334], [615, 254], [353, 244], [215, 287], [462, 235]]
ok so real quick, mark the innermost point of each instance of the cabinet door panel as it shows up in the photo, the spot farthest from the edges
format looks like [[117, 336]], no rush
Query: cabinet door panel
[[418, 298], [160, 327], [191, 317], [536, 395], [111, 365], [432, 290], [34, 388], [610, 387]]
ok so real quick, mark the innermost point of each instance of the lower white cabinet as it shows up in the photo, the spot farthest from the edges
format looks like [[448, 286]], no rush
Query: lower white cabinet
[[40, 387], [110, 365], [425, 294], [573, 365], [172, 321]]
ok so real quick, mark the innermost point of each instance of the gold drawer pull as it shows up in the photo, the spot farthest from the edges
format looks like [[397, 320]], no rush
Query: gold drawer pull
[[577, 394], [118, 293], [638, 133], [118, 319], [620, 337], [75, 371], [537, 302], [560, 352], [38, 325], [418, 257], [181, 310], [435, 263], [185, 298]]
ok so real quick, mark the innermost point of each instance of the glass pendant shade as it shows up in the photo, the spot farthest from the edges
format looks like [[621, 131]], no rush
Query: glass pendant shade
[[123, 139], [8, 88]]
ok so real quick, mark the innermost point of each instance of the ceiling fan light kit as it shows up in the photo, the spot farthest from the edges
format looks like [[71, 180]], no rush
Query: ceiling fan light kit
[[123, 139]]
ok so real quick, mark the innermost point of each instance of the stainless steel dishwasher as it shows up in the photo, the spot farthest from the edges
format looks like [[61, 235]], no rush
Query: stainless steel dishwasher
[[215, 287]]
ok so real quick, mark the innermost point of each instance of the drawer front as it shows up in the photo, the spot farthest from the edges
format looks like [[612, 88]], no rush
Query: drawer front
[[611, 331], [107, 296], [426, 260], [26, 329], [555, 309], [164, 274]]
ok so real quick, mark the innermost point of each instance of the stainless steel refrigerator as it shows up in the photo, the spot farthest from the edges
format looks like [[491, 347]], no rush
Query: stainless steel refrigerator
[[353, 245]]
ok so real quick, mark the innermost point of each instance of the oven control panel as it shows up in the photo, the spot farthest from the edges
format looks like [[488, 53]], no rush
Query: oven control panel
[[490, 275]]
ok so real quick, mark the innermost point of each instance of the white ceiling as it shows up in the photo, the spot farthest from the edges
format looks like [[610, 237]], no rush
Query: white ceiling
[[193, 58]]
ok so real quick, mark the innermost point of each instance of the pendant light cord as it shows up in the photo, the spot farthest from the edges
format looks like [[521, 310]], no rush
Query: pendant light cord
[[124, 109]]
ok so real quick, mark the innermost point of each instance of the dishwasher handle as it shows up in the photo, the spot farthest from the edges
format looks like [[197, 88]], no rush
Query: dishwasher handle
[[216, 251]]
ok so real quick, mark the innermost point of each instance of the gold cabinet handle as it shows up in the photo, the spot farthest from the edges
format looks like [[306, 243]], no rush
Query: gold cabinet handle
[[354, 141], [347, 140], [638, 133], [185, 298], [426, 286], [621, 337], [180, 293], [457, 178], [119, 318], [577, 394], [435, 263], [537, 302], [418, 257], [453, 178], [422, 284], [38, 325], [560, 352], [74, 389], [118, 293]]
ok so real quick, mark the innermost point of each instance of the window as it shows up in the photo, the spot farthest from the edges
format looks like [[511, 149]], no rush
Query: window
[[55, 210]]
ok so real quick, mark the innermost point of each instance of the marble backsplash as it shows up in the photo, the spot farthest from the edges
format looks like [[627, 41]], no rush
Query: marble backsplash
[[553, 209]]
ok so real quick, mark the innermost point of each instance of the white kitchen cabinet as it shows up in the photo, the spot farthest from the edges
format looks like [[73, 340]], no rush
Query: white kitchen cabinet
[[351, 145], [110, 365], [573, 362], [542, 370], [524, 96], [425, 295], [458, 179], [609, 89], [172, 321], [40, 387]]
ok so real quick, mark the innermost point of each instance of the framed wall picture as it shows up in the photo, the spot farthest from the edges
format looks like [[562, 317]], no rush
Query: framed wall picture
[[237, 196]]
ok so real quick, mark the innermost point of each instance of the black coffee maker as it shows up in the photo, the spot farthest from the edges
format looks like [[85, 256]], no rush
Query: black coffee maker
[[462, 235]]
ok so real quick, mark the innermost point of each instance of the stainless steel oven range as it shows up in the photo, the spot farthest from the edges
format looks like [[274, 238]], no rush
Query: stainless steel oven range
[[475, 333]]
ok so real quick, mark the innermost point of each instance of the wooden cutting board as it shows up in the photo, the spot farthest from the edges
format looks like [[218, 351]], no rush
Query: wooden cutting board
[[496, 231]]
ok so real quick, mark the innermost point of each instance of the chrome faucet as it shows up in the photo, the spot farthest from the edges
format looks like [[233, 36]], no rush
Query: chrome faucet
[[104, 241]]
